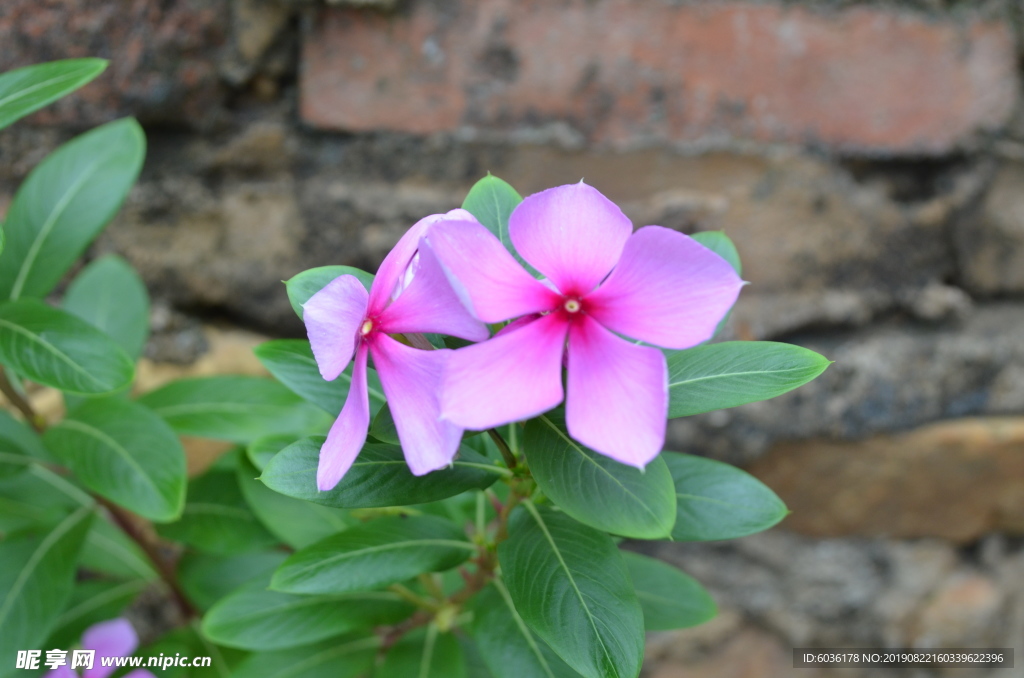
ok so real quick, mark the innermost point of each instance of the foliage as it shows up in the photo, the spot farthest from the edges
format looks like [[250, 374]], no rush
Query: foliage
[[507, 563]]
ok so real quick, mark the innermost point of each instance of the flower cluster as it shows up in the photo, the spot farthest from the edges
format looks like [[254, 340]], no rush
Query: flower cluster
[[610, 296]]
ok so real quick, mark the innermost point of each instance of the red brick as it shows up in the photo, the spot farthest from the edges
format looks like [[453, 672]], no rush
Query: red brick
[[163, 55], [623, 73]]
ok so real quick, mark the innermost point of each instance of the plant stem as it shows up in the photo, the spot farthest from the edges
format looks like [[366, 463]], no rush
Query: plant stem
[[7, 388], [506, 452], [149, 545]]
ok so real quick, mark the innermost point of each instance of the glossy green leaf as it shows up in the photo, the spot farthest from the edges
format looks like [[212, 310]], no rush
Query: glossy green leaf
[[733, 373], [35, 583], [23, 437], [217, 519], [109, 295], [254, 619], [13, 459], [262, 450], [295, 522], [374, 555], [424, 654], [291, 362], [719, 243], [670, 599], [571, 587], [383, 427], [207, 578], [719, 501], [509, 648], [26, 90], [54, 348], [306, 284], [491, 201], [379, 477], [350, 657], [596, 490], [236, 408], [122, 451], [29, 501], [64, 204]]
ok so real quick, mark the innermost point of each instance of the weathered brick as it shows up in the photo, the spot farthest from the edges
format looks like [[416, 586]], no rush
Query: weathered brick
[[163, 55], [621, 73]]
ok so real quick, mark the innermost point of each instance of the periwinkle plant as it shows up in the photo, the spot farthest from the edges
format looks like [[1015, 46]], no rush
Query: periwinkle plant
[[409, 498]]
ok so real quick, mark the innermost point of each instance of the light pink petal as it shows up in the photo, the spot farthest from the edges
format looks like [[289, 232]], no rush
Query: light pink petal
[[412, 379], [61, 671], [667, 290], [517, 323], [429, 304], [617, 400], [509, 378], [392, 269], [492, 284], [333, 317], [348, 433], [572, 234], [114, 638]]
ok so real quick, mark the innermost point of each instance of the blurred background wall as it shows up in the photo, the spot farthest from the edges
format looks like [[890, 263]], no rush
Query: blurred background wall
[[866, 157]]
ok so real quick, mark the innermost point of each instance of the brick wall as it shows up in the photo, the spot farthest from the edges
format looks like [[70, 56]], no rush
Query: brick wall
[[866, 157]]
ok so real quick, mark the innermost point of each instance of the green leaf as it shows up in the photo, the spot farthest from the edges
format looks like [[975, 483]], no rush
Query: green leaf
[[719, 501], [374, 555], [734, 373], [35, 583], [596, 490], [13, 459], [54, 348], [670, 599], [424, 654], [109, 295], [491, 201], [351, 657], [296, 522], [570, 585], [233, 408], [207, 578], [383, 427], [719, 243], [124, 452], [509, 648], [24, 438], [306, 284], [64, 203], [93, 601], [291, 362], [110, 552], [379, 477], [217, 519], [253, 619], [262, 450], [29, 501], [26, 90]]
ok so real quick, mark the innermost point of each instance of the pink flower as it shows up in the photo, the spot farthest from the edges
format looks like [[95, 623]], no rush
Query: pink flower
[[409, 295], [113, 638], [603, 280]]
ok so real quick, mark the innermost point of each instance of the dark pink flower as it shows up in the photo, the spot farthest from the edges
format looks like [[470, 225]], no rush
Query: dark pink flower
[[410, 294], [603, 280]]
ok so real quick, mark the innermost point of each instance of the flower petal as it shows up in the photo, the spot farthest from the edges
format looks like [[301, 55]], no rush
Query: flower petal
[[62, 671], [484, 274], [617, 400], [411, 379], [333, 317], [347, 435], [113, 638], [392, 269], [667, 289], [572, 234], [508, 378], [429, 304]]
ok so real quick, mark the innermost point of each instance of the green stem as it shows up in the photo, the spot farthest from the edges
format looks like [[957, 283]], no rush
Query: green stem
[[7, 388], [510, 459]]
